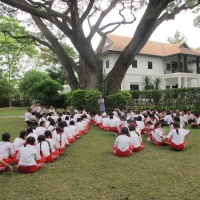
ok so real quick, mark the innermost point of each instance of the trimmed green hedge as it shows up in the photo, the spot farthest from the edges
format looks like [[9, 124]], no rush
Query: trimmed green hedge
[[180, 98]]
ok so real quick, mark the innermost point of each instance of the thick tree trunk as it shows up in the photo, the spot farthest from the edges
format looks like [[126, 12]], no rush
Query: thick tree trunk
[[90, 78]]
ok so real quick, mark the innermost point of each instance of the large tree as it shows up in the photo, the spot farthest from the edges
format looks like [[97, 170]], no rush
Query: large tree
[[68, 16], [12, 51]]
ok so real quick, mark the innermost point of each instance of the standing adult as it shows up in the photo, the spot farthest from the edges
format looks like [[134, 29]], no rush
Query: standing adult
[[101, 103]]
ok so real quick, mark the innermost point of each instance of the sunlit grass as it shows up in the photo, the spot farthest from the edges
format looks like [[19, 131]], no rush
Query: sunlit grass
[[89, 170]]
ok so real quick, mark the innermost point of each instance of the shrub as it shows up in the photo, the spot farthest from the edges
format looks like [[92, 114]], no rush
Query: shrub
[[78, 99], [91, 101]]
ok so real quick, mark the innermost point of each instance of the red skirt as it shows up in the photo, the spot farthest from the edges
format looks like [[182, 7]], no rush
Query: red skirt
[[179, 147], [120, 153], [113, 129], [28, 169], [139, 148]]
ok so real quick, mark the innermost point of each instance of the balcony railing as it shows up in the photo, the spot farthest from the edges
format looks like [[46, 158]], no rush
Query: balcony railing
[[193, 71]]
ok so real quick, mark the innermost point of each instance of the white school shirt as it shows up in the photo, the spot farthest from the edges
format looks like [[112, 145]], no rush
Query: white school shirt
[[38, 109], [80, 126], [123, 143], [68, 132], [64, 141], [35, 135], [51, 128], [6, 149], [40, 130], [52, 110], [141, 116], [99, 119], [27, 155], [55, 118], [18, 142], [172, 127], [113, 122], [105, 121], [168, 119], [140, 124], [157, 134], [42, 119], [28, 116], [67, 121], [44, 147], [74, 130], [52, 144], [134, 139], [54, 135], [178, 138], [47, 123], [131, 115], [189, 117]]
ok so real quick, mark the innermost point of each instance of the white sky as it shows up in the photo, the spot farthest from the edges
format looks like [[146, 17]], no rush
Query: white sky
[[182, 22]]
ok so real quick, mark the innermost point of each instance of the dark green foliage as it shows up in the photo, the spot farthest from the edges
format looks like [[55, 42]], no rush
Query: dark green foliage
[[68, 100], [181, 98], [119, 100], [61, 101], [91, 101], [78, 99]]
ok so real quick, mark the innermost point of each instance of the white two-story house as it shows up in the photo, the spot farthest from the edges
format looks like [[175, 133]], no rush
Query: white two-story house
[[176, 64]]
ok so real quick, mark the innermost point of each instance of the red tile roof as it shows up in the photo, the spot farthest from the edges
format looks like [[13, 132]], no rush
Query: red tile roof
[[118, 43]]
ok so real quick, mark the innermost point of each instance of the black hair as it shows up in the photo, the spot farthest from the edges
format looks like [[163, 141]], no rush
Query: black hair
[[41, 123], [41, 138], [131, 127], [125, 131], [59, 119], [47, 133], [79, 120], [52, 122], [23, 134], [71, 122], [176, 119], [6, 137], [139, 118], [151, 115], [67, 118], [149, 122], [176, 126], [157, 124], [29, 130], [111, 116], [30, 140], [59, 129]]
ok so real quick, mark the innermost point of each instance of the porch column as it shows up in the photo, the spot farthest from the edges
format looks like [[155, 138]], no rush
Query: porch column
[[179, 82], [185, 82], [179, 63], [197, 64], [185, 63], [198, 82]]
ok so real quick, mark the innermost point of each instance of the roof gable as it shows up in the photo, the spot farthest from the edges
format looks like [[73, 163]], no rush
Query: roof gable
[[118, 43]]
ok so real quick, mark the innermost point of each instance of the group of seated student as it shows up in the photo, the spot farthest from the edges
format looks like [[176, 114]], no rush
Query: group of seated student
[[129, 126], [35, 147]]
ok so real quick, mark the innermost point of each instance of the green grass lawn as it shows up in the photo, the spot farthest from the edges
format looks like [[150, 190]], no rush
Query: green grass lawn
[[89, 170]]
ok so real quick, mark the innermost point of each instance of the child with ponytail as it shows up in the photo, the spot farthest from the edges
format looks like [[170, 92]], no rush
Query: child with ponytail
[[29, 157], [176, 137]]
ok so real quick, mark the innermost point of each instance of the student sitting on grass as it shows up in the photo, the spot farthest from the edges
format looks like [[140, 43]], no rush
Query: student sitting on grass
[[6, 149], [48, 137], [197, 122], [176, 119], [135, 139], [158, 135], [45, 149], [20, 141], [123, 145], [29, 157], [3, 165], [176, 137], [61, 140], [29, 119], [32, 133]]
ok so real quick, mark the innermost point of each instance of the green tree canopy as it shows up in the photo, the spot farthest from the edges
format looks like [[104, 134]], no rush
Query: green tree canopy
[[178, 37]]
